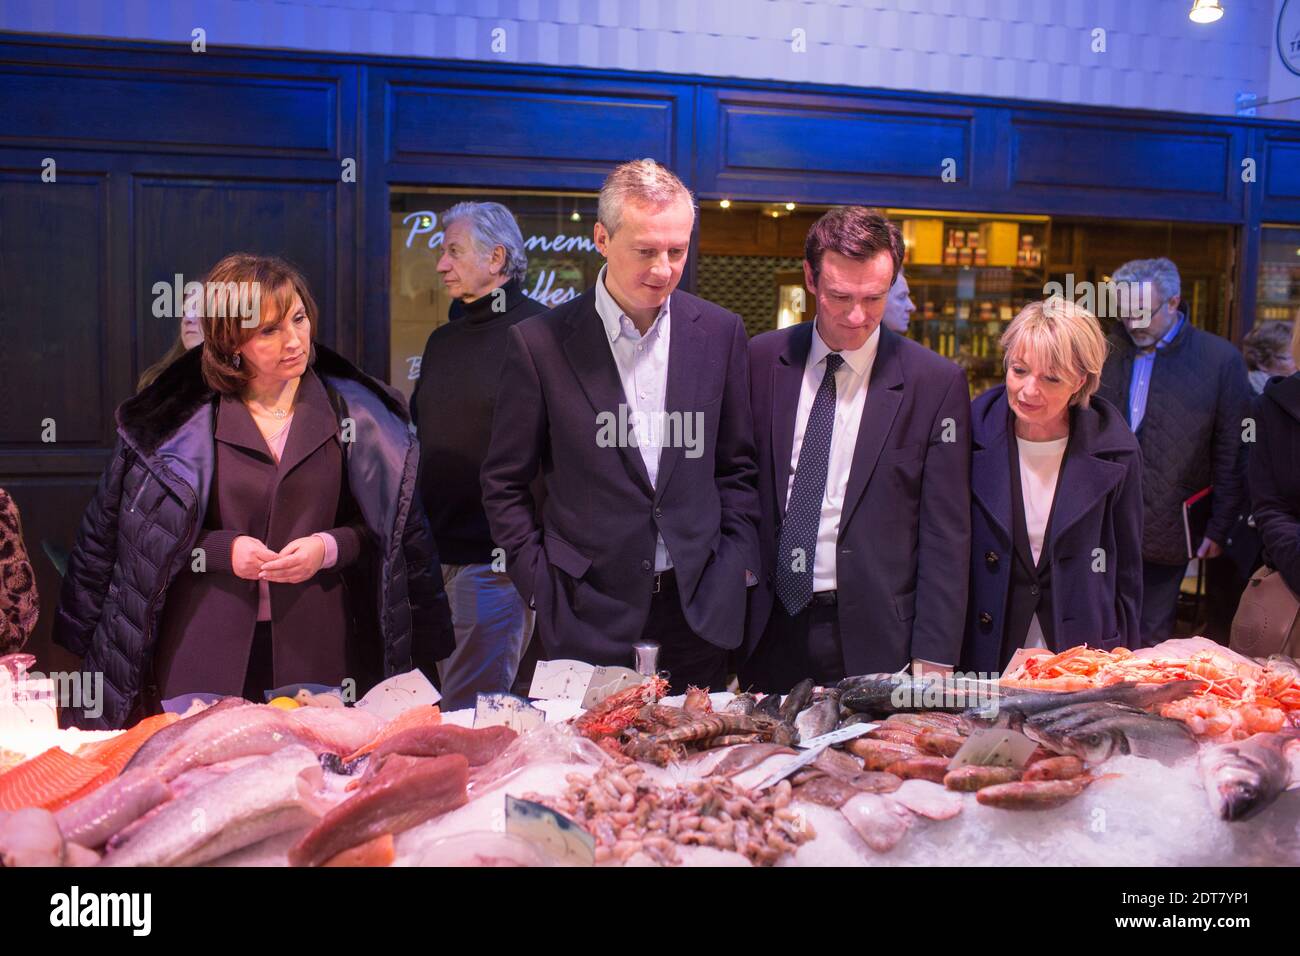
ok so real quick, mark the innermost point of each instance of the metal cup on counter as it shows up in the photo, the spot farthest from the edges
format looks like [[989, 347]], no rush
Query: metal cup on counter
[[647, 658]]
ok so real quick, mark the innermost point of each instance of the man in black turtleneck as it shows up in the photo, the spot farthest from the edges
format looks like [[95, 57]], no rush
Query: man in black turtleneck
[[482, 264]]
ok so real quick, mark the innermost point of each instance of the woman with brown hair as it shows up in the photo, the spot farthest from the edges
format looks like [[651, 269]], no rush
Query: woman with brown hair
[[258, 524], [1267, 348], [1274, 477]]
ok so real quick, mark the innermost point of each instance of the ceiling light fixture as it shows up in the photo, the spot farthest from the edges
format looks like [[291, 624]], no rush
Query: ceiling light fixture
[[725, 204], [1205, 11]]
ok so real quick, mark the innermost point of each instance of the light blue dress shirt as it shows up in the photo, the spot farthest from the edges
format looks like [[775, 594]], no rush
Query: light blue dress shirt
[[1140, 383]]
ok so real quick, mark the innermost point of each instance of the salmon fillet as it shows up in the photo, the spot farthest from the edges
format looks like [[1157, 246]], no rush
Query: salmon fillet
[[409, 791], [116, 752], [49, 780], [422, 716]]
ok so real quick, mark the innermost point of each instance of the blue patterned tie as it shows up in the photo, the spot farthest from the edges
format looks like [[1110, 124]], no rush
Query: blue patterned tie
[[803, 513]]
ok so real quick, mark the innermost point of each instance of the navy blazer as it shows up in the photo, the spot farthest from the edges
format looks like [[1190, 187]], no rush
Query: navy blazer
[[1094, 553], [904, 537], [587, 559]]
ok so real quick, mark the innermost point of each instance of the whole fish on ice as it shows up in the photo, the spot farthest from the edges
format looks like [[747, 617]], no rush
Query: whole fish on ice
[[263, 798], [1244, 777]]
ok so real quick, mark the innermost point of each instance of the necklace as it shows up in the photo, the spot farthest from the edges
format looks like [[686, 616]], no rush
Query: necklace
[[279, 414]]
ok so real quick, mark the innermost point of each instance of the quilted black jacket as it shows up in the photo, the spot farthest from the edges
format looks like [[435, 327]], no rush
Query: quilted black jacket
[[1191, 433], [147, 512]]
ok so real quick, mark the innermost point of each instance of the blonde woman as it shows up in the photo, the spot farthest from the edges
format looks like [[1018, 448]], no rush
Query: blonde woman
[[1056, 498]]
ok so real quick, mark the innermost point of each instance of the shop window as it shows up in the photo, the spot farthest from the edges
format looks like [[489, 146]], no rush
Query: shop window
[[970, 273], [562, 260], [1278, 293]]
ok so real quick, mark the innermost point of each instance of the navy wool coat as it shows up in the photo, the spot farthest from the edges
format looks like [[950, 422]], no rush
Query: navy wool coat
[[1094, 551]]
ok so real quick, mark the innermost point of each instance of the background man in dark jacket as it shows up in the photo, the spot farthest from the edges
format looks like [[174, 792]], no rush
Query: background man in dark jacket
[[1184, 392], [482, 264], [1274, 476], [864, 477], [632, 402]]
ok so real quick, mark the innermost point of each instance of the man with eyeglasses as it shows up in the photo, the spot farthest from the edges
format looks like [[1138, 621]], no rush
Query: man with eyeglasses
[[1185, 394]]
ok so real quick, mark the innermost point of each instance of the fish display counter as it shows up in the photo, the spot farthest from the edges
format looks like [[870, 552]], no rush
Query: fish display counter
[[1180, 755]]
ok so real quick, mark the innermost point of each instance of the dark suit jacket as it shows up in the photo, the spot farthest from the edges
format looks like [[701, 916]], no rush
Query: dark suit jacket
[[904, 539], [1098, 504], [1274, 477], [587, 560]]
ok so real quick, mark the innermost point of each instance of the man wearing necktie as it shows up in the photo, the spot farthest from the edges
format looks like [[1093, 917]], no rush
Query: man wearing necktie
[[864, 478]]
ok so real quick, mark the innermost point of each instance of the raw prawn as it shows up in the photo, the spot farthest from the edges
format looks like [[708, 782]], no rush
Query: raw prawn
[[1237, 698], [616, 713]]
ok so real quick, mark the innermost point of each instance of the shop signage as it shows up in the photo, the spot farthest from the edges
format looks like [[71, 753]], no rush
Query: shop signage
[[1288, 35], [544, 288]]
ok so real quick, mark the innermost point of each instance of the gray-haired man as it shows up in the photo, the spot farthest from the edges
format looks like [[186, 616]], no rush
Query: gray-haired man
[[1184, 393], [632, 404], [482, 265]]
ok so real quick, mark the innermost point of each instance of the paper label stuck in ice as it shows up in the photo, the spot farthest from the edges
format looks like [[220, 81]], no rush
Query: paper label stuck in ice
[[555, 834], [28, 704], [994, 748], [399, 693], [561, 680], [507, 710], [837, 736], [609, 680]]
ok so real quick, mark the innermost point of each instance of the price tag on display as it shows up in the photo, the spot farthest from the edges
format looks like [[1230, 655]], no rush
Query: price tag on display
[[609, 680], [399, 693], [994, 748], [507, 710], [837, 736], [561, 680], [29, 704], [784, 770], [555, 834]]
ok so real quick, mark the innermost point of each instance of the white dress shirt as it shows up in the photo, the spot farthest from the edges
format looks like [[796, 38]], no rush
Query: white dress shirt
[[642, 362], [1040, 467], [850, 397]]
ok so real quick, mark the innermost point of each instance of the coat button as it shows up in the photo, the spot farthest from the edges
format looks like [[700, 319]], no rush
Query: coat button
[[645, 565], [991, 557], [986, 619], [659, 513], [1034, 590]]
